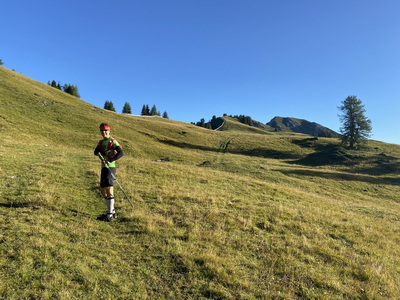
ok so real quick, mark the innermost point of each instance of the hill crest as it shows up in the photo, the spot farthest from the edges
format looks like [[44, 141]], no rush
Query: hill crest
[[301, 126]]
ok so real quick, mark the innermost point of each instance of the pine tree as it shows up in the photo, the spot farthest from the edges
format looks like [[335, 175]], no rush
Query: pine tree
[[109, 105], [356, 127], [1, 62], [165, 115], [154, 112], [127, 108]]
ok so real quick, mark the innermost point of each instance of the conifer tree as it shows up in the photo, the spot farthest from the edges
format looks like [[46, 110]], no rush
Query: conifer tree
[[165, 115], [109, 105], [1, 62], [127, 108], [112, 108], [356, 127], [154, 112], [145, 110]]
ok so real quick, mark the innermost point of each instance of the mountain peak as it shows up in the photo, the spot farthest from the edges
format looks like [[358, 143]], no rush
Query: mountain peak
[[301, 126]]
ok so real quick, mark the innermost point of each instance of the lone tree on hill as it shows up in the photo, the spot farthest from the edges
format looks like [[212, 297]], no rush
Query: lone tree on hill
[[127, 108], [356, 127]]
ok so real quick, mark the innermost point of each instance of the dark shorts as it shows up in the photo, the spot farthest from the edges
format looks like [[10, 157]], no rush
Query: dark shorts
[[106, 179]]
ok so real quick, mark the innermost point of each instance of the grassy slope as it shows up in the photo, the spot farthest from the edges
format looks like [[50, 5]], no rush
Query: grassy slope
[[245, 222]]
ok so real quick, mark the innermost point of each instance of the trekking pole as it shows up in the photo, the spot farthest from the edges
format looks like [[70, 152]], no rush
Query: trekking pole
[[116, 180]]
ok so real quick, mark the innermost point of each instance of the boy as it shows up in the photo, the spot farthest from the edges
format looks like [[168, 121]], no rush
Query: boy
[[111, 151]]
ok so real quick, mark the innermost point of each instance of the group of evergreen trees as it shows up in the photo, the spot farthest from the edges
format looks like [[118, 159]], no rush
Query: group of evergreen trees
[[109, 105], [212, 123], [244, 119], [67, 88], [146, 111]]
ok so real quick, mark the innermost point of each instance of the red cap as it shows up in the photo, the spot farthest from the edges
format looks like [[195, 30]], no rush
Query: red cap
[[105, 126]]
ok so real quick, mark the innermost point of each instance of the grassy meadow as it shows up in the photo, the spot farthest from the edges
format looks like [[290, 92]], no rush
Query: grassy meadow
[[231, 214]]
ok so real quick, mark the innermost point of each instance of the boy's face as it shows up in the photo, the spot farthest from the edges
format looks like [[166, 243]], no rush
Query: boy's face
[[105, 133]]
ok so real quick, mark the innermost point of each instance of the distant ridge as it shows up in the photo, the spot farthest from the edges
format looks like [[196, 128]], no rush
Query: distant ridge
[[301, 126]]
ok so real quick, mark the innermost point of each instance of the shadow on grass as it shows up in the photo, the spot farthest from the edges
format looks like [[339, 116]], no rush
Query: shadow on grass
[[268, 153], [258, 152], [371, 164], [188, 146], [344, 176], [17, 205], [325, 155]]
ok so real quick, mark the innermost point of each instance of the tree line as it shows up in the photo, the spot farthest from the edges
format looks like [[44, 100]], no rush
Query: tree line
[[213, 123], [146, 111], [109, 105]]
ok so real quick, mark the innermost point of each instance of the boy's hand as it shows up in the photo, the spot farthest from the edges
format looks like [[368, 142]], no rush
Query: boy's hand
[[106, 162]]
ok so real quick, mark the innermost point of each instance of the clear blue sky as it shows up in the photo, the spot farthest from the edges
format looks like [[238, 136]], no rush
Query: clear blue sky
[[199, 58]]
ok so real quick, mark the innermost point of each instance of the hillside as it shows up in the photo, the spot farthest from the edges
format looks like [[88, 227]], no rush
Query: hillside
[[246, 123], [301, 126], [231, 214]]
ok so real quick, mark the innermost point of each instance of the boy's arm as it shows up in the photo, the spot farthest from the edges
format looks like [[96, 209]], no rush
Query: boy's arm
[[118, 155], [97, 150]]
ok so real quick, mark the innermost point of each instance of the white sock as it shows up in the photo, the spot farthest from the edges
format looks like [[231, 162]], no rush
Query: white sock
[[110, 205]]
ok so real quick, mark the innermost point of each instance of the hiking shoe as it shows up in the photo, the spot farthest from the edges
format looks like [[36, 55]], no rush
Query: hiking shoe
[[107, 217], [111, 217]]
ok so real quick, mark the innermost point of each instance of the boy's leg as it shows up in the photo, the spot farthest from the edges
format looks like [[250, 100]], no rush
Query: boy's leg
[[110, 199], [107, 191]]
